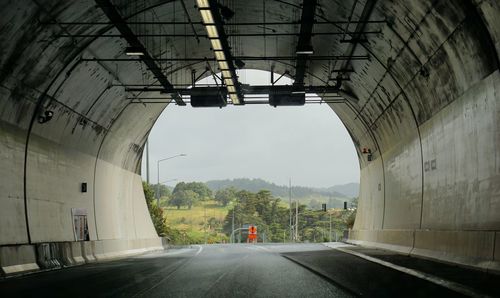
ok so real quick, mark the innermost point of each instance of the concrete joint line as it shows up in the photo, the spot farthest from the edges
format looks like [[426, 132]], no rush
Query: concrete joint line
[[459, 288]]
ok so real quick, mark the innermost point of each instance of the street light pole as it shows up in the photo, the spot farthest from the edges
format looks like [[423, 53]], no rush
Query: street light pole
[[296, 220], [330, 226], [158, 176], [232, 228]]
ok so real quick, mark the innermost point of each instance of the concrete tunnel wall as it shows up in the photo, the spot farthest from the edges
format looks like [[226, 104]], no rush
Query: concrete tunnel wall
[[425, 103]]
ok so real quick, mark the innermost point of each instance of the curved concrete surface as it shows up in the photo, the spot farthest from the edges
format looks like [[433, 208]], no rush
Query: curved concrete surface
[[425, 103]]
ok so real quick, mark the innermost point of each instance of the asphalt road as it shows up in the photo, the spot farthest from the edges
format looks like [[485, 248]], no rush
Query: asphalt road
[[241, 270]]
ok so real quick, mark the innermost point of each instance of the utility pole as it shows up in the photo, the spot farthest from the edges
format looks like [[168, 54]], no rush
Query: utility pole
[[205, 225], [147, 161], [232, 228], [290, 206], [296, 220], [330, 226]]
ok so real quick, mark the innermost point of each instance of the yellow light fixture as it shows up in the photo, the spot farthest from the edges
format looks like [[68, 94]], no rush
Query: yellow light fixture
[[228, 81], [207, 17], [231, 89], [212, 31], [216, 45], [234, 98], [223, 65], [226, 73], [202, 3], [219, 55]]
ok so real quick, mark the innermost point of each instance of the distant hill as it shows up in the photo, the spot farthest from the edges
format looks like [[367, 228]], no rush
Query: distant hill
[[254, 185], [350, 190]]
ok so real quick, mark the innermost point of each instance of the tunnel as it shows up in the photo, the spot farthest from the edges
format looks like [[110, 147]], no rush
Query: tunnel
[[416, 84]]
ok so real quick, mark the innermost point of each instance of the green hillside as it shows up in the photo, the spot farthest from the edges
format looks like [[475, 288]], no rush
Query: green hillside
[[311, 197]]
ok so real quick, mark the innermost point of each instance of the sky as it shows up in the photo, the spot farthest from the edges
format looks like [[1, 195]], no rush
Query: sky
[[307, 144]]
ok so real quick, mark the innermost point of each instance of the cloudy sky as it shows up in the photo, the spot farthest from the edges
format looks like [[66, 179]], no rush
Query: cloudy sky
[[309, 144]]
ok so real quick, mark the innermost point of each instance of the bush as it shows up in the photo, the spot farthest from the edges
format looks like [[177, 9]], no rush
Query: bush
[[155, 212]]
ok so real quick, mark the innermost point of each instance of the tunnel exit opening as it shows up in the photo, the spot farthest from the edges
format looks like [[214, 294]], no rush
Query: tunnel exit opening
[[308, 144]]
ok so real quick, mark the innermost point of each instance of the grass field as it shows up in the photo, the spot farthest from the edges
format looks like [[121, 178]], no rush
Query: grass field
[[193, 221]]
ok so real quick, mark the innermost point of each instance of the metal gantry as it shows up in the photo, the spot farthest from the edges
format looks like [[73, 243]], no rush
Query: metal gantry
[[137, 48], [214, 18]]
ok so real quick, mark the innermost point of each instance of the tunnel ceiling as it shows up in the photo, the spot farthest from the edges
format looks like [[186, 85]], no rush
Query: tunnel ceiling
[[69, 57], [415, 83]]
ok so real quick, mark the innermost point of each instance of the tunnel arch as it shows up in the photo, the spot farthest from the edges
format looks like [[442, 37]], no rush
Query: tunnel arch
[[424, 101]]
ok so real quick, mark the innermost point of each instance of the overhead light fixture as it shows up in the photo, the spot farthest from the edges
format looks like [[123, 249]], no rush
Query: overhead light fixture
[[212, 31], [45, 117], [212, 15], [207, 17], [202, 3], [223, 65], [219, 55], [304, 52], [307, 50], [299, 92], [216, 45], [234, 98], [134, 51]]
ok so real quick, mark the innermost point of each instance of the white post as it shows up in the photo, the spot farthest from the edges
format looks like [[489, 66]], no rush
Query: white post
[[330, 227], [296, 220]]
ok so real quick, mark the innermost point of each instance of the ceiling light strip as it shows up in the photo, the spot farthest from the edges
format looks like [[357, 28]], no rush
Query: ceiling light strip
[[213, 24]]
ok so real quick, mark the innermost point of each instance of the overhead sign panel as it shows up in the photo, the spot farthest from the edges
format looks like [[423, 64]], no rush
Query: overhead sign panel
[[290, 99], [202, 98]]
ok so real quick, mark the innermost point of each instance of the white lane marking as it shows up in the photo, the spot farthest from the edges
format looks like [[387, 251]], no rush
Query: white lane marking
[[261, 247], [200, 248], [428, 277], [165, 253]]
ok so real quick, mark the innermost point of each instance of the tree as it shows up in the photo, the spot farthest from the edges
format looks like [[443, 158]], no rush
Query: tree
[[163, 190], [226, 195], [201, 189], [183, 198], [314, 204]]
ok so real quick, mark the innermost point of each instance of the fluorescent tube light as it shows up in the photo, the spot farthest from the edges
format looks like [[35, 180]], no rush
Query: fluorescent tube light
[[234, 98], [133, 51], [223, 65], [207, 17], [219, 55], [216, 45], [212, 31], [202, 3], [304, 52]]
